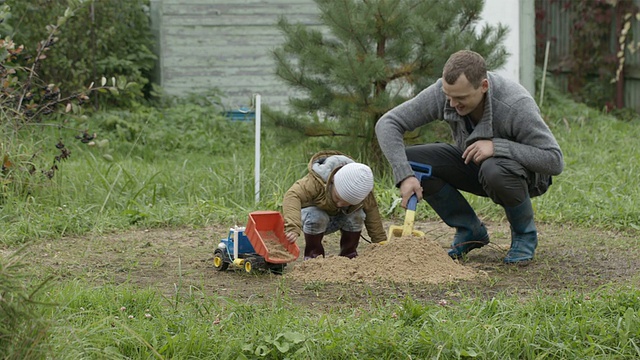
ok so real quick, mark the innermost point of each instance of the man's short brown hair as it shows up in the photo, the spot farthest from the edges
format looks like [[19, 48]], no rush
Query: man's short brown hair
[[466, 62]]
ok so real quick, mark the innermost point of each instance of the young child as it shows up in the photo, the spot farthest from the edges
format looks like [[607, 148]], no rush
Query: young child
[[336, 194]]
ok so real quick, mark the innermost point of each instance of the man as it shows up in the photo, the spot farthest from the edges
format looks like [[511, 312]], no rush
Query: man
[[502, 150]]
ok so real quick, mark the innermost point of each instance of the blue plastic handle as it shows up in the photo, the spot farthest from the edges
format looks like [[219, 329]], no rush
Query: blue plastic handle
[[413, 202], [421, 170]]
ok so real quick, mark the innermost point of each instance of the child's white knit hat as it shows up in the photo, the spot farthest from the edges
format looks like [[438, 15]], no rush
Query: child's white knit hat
[[353, 182]]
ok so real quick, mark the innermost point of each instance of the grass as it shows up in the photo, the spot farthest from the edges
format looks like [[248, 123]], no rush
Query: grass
[[23, 332], [185, 166], [154, 178], [119, 322]]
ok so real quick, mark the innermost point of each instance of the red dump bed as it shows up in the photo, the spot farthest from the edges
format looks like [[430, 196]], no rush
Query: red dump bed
[[265, 231]]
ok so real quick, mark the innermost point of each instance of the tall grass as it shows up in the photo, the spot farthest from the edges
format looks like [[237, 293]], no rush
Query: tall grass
[[598, 187], [23, 333], [190, 166]]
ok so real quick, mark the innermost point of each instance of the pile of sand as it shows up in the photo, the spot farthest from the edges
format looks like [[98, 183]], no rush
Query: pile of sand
[[275, 248], [415, 260]]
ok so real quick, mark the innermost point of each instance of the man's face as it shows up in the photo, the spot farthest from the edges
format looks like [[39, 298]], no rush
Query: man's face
[[463, 96]]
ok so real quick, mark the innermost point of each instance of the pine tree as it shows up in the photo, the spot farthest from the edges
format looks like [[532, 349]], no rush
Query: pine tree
[[371, 55]]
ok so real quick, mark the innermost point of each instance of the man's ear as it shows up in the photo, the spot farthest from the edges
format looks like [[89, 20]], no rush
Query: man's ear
[[484, 85]]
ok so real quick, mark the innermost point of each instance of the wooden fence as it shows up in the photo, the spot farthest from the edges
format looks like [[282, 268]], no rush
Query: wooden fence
[[555, 22]]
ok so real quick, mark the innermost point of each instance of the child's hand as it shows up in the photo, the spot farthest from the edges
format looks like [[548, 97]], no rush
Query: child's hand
[[291, 236]]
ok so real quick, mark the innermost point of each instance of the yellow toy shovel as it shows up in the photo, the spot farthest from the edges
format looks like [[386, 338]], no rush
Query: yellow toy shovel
[[421, 171], [409, 219]]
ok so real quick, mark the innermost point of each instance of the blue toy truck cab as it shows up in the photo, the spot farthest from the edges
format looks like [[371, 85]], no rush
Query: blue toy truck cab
[[244, 245]]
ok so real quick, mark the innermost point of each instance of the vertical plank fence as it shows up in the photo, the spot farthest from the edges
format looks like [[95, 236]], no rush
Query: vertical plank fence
[[554, 23]]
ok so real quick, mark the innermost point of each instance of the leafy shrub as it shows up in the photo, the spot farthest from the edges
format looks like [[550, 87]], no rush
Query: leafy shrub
[[26, 101], [103, 38]]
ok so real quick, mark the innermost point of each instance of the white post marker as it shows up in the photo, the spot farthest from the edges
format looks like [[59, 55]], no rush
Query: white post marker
[[235, 242], [257, 150]]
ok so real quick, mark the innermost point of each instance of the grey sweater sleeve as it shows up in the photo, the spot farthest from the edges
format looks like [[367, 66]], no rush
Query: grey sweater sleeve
[[424, 108], [530, 141]]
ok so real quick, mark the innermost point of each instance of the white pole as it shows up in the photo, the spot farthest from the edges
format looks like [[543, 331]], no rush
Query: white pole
[[236, 239], [544, 73], [257, 151]]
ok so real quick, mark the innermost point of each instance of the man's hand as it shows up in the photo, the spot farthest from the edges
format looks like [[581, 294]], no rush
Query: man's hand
[[478, 152], [291, 237], [408, 187]]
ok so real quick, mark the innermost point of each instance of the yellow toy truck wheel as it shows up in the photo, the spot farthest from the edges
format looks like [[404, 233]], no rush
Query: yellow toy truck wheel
[[218, 261], [248, 266]]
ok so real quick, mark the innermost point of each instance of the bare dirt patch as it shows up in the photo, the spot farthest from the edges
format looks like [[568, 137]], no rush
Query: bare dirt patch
[[180, 260]]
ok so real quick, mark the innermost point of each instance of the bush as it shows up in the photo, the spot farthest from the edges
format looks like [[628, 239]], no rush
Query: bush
[[29, 153], [103, 38]]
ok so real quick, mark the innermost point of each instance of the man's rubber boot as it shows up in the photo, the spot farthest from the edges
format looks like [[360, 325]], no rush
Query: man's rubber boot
[[349, 243], [524, 236], [313, 246], [456, 212]]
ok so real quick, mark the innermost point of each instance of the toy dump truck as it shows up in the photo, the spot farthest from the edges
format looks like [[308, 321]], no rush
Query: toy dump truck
[[261, 245]]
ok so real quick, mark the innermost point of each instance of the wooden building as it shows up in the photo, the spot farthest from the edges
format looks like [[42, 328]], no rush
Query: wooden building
[[227, 44]]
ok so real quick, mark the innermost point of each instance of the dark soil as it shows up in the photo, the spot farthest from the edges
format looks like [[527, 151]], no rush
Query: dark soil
[[171, 260]]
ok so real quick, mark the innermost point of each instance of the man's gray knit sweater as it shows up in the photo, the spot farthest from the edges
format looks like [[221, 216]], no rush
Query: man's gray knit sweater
[[511, 119]]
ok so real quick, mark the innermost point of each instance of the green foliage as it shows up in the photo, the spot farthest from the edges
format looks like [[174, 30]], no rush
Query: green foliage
[[185, 164], [593, 143], [106, 38], [23, 332], [30, 154], [121, 322], [375, 55], [596, 47], [199, 129], [188, 165]]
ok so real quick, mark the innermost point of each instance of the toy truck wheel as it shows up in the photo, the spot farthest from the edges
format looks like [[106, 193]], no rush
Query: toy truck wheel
[[248, 265], [218, 261]]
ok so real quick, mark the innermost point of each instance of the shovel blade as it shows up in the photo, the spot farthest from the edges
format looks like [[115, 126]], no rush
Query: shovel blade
[[409, 217], [399, 231], [407, 228], [395, 231]]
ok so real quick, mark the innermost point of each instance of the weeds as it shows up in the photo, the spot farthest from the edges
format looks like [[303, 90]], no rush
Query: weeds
[[158, 175], [26, 103], [23, 334]]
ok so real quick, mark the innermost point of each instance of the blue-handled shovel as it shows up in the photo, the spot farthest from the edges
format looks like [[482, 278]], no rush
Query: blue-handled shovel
[[421, 171]]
